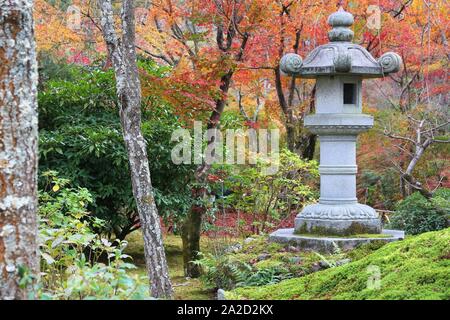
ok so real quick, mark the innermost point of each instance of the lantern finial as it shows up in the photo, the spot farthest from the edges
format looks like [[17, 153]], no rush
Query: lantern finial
[[341, 20]]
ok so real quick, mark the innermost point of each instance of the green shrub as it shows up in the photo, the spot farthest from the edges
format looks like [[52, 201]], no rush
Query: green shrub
[[416, 214], [80, 137], [381, 188], [77, 263], [270, 197]]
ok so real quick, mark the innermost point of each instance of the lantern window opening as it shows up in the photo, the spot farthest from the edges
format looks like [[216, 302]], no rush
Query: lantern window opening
[[349, 93]]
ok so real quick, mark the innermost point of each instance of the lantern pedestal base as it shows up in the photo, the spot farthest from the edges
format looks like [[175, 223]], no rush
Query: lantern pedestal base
[[338, 220], [328, 244], [337, 227]]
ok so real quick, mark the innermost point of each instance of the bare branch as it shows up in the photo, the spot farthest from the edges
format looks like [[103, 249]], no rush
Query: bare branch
[[441, 141], [241, 107], [394, 136]]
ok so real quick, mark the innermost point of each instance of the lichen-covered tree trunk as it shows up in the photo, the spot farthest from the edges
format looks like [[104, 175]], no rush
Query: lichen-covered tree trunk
[[18, 150], [123, 57]]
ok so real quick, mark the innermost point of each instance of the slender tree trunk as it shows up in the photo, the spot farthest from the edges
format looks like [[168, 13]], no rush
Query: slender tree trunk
[[191, 231], [192, 223], [308, 140], [407, 176], [123, 58], [18, 150], [298, 139], [289, 123]]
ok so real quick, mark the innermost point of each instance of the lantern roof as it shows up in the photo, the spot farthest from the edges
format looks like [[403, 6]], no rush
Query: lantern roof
[[340, 56]]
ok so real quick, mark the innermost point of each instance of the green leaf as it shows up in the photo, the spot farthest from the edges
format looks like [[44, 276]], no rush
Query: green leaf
[[48, 258]]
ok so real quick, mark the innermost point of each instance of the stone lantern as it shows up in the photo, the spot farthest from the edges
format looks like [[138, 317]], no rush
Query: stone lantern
[[339, 68]]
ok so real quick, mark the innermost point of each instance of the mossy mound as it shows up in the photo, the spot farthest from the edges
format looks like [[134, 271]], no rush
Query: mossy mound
[[254, 262], [277, 255], [415, 268]]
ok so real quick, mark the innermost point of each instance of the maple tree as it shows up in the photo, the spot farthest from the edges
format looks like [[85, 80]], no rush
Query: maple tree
[[419, 93], [232, 24]]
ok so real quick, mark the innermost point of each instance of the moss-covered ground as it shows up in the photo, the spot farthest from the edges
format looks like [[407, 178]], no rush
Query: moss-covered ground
[[415, 268], [261, 254]]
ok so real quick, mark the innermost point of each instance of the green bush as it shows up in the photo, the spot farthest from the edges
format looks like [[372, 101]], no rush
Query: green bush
[[416, 214], [77, 263], [81, 138], [270, 197], [380, 188]]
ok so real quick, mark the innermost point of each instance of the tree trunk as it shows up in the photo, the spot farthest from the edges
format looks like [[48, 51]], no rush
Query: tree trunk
[[308, 139], [407, 180], [123, 58], [298, 139], [18, 150], [192, 223], [191, 231], [307, 145]]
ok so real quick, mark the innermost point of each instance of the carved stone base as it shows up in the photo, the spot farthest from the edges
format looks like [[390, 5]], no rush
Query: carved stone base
[[328, 244], [341, 220]]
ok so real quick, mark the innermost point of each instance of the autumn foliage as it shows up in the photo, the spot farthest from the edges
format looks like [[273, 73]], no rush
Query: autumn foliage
[[190, 39]]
